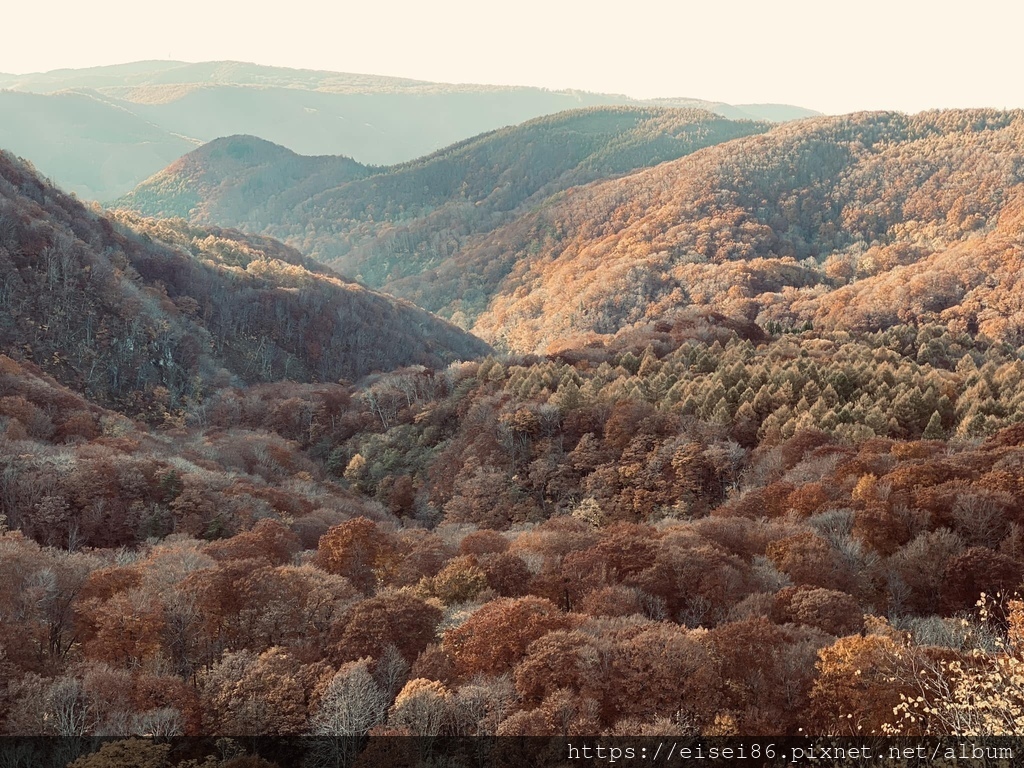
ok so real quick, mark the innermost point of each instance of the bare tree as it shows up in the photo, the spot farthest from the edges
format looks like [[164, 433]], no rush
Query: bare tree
[[67, 707], [351, 705]]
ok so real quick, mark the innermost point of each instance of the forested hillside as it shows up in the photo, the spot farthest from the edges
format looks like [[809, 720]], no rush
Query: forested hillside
[[606, 542], [758, 470], [402, 221], [148, 315], [854, 222]]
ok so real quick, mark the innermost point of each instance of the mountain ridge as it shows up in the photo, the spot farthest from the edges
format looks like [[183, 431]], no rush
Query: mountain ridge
[[232, 72], [246, 165], [402, 220], [377, 120], [767, 227], [804, 223]]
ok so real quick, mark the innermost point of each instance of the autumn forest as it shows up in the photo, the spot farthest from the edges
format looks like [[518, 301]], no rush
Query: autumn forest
[[630, 420]]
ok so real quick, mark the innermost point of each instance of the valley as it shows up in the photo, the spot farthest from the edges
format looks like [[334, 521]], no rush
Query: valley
[[628, 420]]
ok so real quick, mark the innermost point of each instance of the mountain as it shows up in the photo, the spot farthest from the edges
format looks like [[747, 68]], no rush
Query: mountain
[[769, 473], [377, 120], [120, 78], [238, 180], [859, 222], [774, 113], [139, 314], [398, 222]]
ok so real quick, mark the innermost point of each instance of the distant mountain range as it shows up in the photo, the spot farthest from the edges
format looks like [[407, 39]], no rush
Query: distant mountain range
[[98, 132]]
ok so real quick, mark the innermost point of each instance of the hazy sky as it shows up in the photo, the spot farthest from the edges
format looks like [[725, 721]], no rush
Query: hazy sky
[[824, 54]]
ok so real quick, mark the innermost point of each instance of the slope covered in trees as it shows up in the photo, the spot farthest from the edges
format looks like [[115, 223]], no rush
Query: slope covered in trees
[[74, 475], [852, 222], [400, 221], [378, 120], [797, 513], [855, 222], [622, 541], [141, 313], [239, 181]]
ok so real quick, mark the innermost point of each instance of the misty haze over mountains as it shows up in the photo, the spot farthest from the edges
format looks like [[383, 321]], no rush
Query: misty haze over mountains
[[99, 132]]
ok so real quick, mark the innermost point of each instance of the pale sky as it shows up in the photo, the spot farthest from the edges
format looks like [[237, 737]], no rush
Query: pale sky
[[827, 55]]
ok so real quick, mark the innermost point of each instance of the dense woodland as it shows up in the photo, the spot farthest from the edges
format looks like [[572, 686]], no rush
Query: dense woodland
[[849, 223], [856, 222], [513, 545], [148, 315], [760, 518]]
